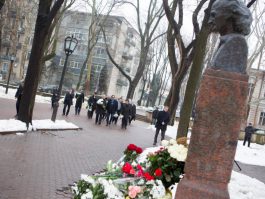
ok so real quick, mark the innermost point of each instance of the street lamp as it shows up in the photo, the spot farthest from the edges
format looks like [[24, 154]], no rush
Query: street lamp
[[12, 58], [70, 44]]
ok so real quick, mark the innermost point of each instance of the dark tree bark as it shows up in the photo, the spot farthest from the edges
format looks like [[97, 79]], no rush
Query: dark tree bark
[[46, 14], [195, 75]]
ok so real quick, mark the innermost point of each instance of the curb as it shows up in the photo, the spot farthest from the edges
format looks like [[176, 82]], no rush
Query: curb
[[14, 132]]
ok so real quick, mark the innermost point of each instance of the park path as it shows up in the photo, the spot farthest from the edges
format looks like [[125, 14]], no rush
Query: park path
[[42, 165]]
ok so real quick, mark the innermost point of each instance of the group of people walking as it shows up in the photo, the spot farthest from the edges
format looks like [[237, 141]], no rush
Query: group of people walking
[[108, 109], [111, 109]]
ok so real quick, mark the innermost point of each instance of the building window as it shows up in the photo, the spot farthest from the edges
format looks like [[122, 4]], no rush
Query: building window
[[4, 67], [61, 62], [74, 64], [262, 119]]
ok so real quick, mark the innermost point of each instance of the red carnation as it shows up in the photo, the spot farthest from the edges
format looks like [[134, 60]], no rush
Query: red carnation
[[148, 177], [158, 172], [131, 147], [127, 168], [139, 150]]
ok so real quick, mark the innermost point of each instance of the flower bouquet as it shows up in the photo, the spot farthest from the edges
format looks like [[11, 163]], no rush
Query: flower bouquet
[[138, 174]]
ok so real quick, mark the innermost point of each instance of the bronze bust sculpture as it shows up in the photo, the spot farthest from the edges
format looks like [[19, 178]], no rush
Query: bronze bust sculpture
[[232, 19]]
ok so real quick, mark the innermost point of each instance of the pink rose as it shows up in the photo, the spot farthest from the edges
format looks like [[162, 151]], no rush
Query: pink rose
[[133, 191]]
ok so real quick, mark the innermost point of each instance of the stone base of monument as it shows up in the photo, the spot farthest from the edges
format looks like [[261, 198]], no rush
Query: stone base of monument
[[220, 107], [201, 189]]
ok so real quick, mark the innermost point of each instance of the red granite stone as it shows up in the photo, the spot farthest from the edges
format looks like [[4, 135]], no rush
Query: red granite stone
[[220, 108]]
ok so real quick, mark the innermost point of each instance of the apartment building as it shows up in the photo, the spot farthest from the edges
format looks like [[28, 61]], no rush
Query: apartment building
[[17, 25], [124, 46]]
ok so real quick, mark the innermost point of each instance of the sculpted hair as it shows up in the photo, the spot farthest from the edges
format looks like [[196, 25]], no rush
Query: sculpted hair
[[238, 12]]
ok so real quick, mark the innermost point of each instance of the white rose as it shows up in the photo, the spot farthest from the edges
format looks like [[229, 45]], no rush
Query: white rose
[[164, 143], [172, 141]]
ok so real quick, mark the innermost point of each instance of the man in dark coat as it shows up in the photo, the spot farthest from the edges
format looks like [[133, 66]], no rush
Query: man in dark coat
[[154, 116], [92, 104], [54, 97], [133, 113], [18, 95], [100, 110], [68, 102], [163, 119], [80, 98], [125, 112], [112, 107], [249, 130]]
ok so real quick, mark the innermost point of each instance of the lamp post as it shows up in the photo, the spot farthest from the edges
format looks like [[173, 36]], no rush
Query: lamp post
[[70, 44], [12, 58]]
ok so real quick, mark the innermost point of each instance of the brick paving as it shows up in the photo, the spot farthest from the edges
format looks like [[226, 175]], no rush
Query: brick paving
[[41, 165]]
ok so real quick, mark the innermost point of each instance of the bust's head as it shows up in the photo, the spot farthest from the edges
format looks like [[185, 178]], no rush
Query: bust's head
[[230, 16]]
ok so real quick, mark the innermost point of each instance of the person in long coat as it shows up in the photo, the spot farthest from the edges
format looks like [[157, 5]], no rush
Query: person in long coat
[[111, 108], [92, 104], [68, 102], [133, 113], [163, 119], [80, 98], [100, 110], [18, 96], [125, 112]]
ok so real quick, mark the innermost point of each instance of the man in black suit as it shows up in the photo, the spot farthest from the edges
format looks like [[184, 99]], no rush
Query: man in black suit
[[163, 119]]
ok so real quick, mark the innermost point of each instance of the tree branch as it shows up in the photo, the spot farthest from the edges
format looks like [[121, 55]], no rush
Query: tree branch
[[113, 61], [251, 3], [56, 6], [195, 16]]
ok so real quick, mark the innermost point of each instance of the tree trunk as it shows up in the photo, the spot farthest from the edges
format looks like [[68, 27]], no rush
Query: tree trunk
[[82, 73], [43, 23], [131, 90], [142, 93], [193, 82]]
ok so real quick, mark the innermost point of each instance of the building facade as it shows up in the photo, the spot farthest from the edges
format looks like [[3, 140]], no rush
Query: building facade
[[256, 100], [123, 43], [17, 25]]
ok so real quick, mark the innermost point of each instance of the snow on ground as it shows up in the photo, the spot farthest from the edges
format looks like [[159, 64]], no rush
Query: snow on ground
[[240, 186], [16, 125], [244, 187], [11, 95], [12, 125], [254, 155]]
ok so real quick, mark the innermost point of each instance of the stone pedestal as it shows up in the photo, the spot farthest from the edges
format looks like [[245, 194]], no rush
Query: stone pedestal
[[220, 107]]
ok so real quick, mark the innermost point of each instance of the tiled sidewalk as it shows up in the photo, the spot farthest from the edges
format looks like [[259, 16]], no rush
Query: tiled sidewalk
[[41, 165]]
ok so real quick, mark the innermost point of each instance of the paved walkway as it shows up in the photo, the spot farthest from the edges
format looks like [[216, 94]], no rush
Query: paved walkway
[[41, 165]]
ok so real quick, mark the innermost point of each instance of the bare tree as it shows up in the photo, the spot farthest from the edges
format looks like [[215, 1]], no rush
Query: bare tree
[[148, 35], [159, 65], [46, 13], [181, 58], [99, 15]]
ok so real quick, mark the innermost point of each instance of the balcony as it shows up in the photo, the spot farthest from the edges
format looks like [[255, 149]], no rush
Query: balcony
[[127, 56]]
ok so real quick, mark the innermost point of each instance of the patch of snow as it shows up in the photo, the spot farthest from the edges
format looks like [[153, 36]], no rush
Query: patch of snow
[[11, 95], [254, 155], [17, 125], [245, 187], [12, 125], [49, 124], [20, 133]]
